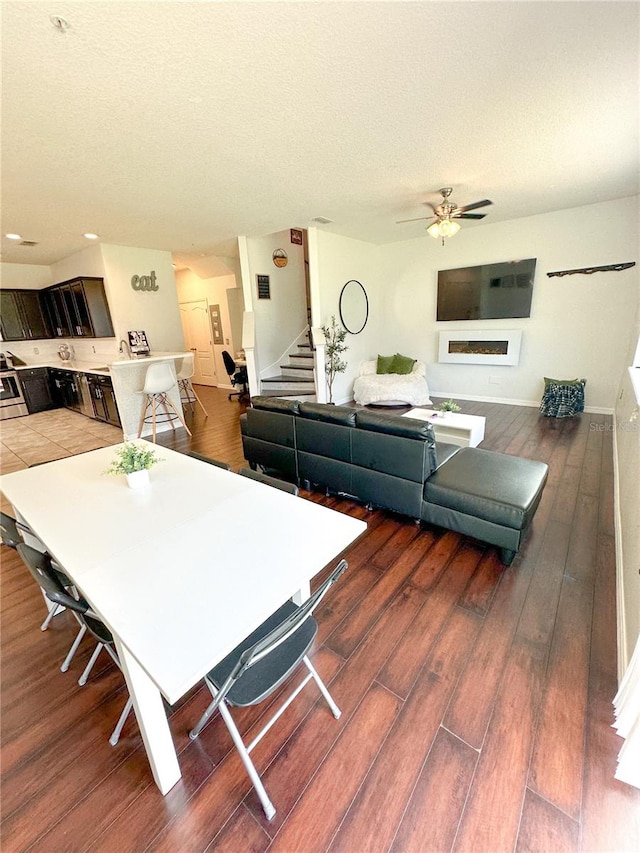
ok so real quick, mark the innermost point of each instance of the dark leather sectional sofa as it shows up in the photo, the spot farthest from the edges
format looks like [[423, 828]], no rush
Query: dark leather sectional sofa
[[395, 463]]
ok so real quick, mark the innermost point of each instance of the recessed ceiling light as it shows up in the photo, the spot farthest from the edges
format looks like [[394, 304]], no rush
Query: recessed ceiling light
[[91, 236], [322, 220], [13, 236]]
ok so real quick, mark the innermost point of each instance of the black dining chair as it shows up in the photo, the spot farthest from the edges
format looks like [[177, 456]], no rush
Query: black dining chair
[[209, 459], [238, 375], [259, 477], [11, 534], [39, 565], [259, 665]]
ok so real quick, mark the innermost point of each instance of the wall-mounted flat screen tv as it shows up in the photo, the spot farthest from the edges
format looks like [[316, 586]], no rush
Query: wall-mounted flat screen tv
[[486, 292]]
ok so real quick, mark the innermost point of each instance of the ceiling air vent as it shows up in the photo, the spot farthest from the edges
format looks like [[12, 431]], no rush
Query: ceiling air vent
[[322, 220], [27, 243]]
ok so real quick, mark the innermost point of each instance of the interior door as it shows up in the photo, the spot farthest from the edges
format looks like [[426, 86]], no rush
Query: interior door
[[197, 335]]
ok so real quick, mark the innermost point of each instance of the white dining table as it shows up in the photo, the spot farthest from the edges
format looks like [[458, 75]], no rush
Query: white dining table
[[181, 571]]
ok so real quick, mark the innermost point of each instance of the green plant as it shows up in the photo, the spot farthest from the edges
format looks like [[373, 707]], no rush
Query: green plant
[[449, 406], [334, 335], [132, 457]]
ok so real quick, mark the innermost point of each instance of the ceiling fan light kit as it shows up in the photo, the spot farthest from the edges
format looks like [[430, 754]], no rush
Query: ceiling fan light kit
[[443, 228], [446, 213]]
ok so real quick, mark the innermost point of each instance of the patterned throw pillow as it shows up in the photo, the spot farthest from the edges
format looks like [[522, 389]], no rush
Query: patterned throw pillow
[[385, 364], [402, 364]]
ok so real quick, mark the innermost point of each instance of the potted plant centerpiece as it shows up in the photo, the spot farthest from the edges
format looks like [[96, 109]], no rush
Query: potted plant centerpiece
[[134, 460], [334, 336], [449, 406]]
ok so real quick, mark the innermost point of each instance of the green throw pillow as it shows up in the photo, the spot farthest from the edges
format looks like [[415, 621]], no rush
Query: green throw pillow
[[548, 381], [385, 364], [402, 364]]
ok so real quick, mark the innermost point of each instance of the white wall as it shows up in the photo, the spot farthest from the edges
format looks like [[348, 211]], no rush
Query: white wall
[[27, 276], [579, 324], [156, 312], [87, 262], [340, 259], [627, 469], [279, 320]]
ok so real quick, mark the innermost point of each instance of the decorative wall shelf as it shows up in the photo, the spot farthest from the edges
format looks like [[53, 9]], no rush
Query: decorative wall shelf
[[591, 270]]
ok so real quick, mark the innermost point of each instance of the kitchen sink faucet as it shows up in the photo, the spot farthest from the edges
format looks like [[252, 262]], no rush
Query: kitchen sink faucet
[[124, 344]]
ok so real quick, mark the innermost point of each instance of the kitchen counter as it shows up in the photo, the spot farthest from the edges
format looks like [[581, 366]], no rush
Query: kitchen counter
[[103, 366], [127, 376]]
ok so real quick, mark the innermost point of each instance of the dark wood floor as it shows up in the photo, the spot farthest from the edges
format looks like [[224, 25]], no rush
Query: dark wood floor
[[476, 699]]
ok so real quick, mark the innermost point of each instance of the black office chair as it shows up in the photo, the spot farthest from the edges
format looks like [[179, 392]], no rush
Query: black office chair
[[44, 574], [11, 535], [209, 460], [269, 481], [259, 665], [238, 376]]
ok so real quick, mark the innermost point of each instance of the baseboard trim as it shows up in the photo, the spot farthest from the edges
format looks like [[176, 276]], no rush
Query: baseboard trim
[[621, 624], [534, 404]]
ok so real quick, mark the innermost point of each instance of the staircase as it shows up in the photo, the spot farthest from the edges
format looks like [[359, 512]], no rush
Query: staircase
[[296, 381]]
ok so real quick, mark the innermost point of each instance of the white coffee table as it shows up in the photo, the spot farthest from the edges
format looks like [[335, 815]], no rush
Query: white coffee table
[[465, 430]]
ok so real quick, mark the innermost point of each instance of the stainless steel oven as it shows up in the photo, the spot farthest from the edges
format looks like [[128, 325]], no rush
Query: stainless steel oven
[[12, 404]]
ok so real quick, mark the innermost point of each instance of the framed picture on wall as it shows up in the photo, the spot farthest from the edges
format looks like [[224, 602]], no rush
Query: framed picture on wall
[[296, 236], [264, 288]]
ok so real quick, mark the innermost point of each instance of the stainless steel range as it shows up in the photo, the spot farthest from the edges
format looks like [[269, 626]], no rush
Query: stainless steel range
[[12, 404]]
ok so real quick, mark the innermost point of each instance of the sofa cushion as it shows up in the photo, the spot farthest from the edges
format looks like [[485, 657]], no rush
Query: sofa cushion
[[277, 427], [395, 425], [402, 364], [493, 486], [385, 364], [402, 458], [332, 441], [276, 404], [342, 415]]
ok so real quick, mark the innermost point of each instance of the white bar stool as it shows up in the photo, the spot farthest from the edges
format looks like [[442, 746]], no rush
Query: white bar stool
[[187, 392], [158, 381]]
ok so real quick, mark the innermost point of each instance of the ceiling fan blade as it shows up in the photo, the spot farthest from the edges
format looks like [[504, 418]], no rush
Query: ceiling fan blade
[[417, 219], [457, 215], [473, 205]]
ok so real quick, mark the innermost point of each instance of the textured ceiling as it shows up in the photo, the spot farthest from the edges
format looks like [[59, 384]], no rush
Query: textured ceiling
[[179, 125]]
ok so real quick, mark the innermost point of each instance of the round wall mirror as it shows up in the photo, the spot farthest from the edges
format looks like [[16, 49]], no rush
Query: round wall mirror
[[354, 307]]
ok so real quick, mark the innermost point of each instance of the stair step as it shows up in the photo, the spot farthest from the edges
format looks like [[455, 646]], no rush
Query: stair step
[[296, 369], [290, 380], [301, 355], [287, 396]]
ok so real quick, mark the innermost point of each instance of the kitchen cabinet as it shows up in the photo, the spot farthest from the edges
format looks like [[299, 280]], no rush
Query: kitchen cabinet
[[36, 389], [54, 307], [65, 387], [78, 309], [103, 399], [22, 317]]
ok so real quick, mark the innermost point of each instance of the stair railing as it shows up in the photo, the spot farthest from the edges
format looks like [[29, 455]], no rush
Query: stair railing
[[267, 372]]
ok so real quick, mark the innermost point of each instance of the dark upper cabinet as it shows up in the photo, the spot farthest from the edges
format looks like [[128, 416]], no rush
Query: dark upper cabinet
[[72, 309], [22, 317], [54, 306], [78, 309], [92, 300]]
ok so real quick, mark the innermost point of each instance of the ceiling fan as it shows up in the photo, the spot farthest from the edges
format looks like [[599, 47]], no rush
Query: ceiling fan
[[446, 213]]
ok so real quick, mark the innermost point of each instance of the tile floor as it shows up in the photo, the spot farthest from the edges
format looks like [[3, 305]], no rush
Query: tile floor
[[50, 435]]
